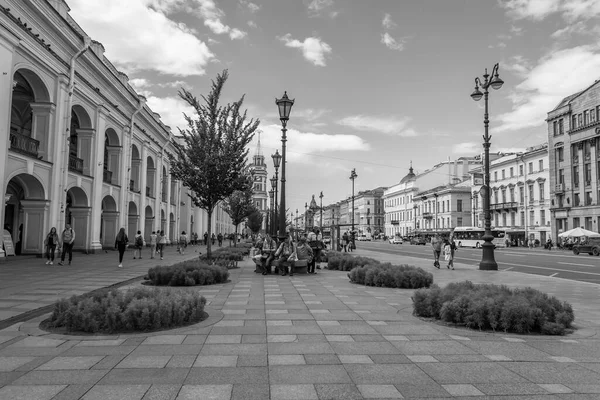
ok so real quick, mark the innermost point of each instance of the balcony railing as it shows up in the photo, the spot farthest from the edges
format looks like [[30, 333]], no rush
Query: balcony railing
[[75, 164], [107, 176], [504, 206], [559, 188], [24, 144], [427, 215]]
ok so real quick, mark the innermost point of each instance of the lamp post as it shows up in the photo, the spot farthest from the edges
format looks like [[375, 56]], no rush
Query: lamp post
[[276, 163], [321, 213], [353, 176], [296, 224], [285, 106], [273, 213], [305, 216], [487, 256], [274, 190]]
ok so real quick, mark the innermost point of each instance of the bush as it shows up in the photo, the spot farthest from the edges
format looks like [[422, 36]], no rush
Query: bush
[[345, 262], [227, 257], [188, 273], [393, 276], [492, 307], [140, 309]]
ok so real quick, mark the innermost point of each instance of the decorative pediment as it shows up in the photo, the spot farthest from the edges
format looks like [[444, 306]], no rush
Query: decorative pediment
[[559, 144]]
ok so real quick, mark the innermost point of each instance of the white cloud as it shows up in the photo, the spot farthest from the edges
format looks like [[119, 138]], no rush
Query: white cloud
[[556, 76], [518, 65], [391, 43], [387, 22], [471, 148], [389, 126], [310, 114], [313, 48], [301, 143], [570, 10], [140, 83], [128, 31], [175, 85], [252, 24], [251, 6], [316, 6], [212, 19], [171, 111]]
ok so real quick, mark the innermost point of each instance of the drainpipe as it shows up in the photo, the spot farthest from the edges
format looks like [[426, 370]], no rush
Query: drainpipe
[[67, 132], [162, 192], [125, 190]]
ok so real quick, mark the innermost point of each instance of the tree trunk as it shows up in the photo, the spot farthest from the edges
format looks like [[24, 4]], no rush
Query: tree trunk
[[235, 237], [208, 241]]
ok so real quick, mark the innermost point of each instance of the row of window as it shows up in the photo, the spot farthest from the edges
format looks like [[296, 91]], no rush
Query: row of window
[[511, 170], [562, 224], [587, 117], [509, 219], [442, 223], [585, 178], [501, 194], [399, 201]]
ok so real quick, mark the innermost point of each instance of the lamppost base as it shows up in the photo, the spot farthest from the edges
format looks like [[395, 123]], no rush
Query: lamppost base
[[488, 262]]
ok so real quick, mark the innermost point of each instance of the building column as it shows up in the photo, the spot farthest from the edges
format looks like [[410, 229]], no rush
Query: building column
[[42, 118], [85, 143], [168, 205], [595, 177], [143, 167], [80, 218], [61, 124], [34, 225], [109, 228], [124, 176], [97, 171]]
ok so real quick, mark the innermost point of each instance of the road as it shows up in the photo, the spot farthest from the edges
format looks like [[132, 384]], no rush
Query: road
[[558, 263]]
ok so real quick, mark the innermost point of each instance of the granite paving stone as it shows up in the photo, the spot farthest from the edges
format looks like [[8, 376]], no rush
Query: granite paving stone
[[60, 377], [223, 375], [116, 392], [379, 392], [181, 361], [505, 389], [11, 363], [387, 374], [300, 348], [553, 372], [290, 359], [338, 392], [205, 392], [310, 374], [461, 373], [58, 363], [162, 392], [144, 362], [555, 388], [250, 392], [233, 349], [37, 392], [154, 376], [252, 360], [164, 339], [462, 390], [216, 361], [293, 392]]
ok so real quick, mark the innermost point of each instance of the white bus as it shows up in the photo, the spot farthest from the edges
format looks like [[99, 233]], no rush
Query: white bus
[[469, 236]]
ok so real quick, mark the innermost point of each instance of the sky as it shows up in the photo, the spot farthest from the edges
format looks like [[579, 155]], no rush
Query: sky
[[377, 84]]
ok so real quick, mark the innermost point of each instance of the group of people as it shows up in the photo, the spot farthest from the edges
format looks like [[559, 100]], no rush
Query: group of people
[[448, 246], [64, 242], [285, 256]]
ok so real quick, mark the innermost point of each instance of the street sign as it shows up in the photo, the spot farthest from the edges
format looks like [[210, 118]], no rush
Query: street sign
[[477, 181]]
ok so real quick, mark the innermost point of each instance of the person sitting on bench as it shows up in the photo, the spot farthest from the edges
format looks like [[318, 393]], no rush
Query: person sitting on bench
[[267, 254], [303, 252], [283, 254]]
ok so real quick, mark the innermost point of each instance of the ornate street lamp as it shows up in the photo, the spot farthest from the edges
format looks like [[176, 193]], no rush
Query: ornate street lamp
[[353, 176], [487, 256], [272, 212], [296, 224], [274, 190], [305, 216], [276, 163], [321, 213], [285, 106]]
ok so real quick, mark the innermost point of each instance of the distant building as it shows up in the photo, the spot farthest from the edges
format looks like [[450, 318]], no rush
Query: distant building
[[573, 140], [259, 192], [444, 207], [519, 195], [369, 211]]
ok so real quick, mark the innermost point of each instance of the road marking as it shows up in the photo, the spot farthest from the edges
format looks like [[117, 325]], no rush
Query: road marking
[[553, 275], [515, 255], [579, 265], [508, 269]]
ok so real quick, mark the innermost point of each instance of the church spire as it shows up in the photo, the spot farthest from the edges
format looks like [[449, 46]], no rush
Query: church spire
[[259, 159]]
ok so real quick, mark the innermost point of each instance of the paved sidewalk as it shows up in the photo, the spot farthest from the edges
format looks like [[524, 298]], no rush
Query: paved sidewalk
[[311, 337]]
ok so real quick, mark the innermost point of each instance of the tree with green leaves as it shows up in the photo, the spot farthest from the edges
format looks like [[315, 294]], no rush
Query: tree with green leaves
[[210, 159], [255, 220], [239, 206]]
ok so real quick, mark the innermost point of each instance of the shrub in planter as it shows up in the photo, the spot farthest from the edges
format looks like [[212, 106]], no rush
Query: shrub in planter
[[227, 257], [495, 307], [345, 262], [394, 276], [187, 273], [140, 309]]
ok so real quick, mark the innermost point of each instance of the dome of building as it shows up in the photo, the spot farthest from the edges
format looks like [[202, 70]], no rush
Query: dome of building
[[410, 176]]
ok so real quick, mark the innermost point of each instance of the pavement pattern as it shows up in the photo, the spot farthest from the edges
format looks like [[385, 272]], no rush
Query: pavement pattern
[[304, 337]]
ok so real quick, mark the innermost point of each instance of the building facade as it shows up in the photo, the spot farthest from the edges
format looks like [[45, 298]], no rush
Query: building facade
[[404, 210], [79, 146], [573, 140], [369, 211], [260, 198], [444, 207], [519, 195]]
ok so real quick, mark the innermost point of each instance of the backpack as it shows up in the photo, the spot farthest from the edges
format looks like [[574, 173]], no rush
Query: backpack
[[139, 241]]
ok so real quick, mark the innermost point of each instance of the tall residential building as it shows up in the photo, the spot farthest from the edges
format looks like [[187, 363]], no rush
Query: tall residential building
[[78, 145], [573, 140], [368, 211], [519, 195], [444, 207], [403, 210]]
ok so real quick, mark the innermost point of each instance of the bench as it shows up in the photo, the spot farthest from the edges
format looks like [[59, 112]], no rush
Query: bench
[[300, 266]]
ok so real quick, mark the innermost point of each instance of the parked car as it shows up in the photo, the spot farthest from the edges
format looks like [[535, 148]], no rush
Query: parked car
[[591, 246], [364, 238], [418, 240], [395, 240]]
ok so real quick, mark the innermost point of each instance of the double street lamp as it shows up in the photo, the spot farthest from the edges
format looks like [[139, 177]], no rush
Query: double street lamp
[[487, 256], [285, 106], [353, 176]]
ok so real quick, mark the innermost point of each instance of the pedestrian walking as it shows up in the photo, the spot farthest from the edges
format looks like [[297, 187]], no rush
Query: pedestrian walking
[[162, 241], [316, 245], [51, 242], [345, 240], [67, 238], [449, 249], [213, 238], [121, 242], [436, 244], [549, 244], [206, 238], [183, 239], [139, 244], [153, 242], [195, 238], [220, 239]]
